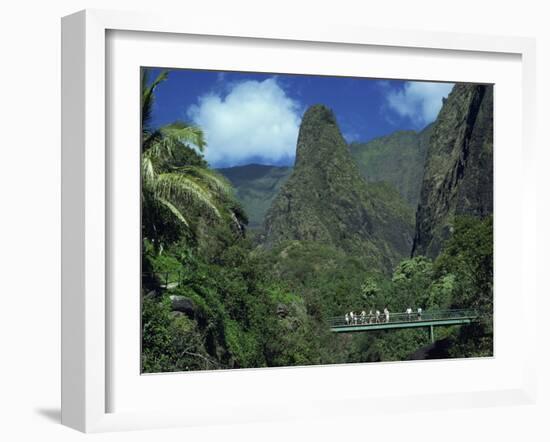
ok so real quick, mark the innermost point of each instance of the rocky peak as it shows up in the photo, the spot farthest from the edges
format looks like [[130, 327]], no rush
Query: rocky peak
[[327, 200], [318, 131]]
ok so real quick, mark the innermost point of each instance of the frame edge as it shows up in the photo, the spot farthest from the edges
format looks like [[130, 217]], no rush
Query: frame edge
[[73, 80], [83, 370], [83, 206]]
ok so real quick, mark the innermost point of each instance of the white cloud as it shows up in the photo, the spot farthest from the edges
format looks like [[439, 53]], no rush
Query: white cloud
[[254, 120], [419, 101]]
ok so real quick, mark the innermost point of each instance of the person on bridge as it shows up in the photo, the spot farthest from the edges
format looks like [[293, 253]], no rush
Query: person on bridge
[[352, 317], [371, 316], [363, 316], [409, 313], [419, 313], [377, 316], [387, 314], [347, 319]]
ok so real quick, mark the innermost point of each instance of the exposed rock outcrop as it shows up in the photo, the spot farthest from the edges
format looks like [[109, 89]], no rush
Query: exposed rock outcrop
[[458, 175], [183, 305]]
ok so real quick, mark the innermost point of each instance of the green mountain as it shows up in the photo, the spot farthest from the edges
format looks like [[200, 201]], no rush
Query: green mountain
[[458, 176], [327, 200], [256, 187], [397, 158]]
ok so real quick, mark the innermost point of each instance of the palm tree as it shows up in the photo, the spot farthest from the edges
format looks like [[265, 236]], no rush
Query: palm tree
[[178, 186]]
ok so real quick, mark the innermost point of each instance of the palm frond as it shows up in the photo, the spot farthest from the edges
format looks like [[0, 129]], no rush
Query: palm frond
[[184, 190], [180, 132], [175, 211], [180, 189], [164, 142], [148, 95], [148, 172], [149, 138], [161, 150], [210, 178]]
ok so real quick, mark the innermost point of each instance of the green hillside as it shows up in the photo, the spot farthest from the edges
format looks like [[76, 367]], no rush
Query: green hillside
[[397, 159], [255, 187]]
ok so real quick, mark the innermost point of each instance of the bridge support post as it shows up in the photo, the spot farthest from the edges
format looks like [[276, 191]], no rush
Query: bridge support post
[[432, 333]]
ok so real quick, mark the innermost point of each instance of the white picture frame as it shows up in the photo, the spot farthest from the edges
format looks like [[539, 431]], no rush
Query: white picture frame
[[85, 200]]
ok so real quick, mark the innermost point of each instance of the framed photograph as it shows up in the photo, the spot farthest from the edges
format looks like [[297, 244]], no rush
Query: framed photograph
[[274, 222]]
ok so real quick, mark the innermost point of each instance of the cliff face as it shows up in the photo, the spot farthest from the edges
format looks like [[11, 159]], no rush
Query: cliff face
[[397, 159], [327, 200], [458, 174]]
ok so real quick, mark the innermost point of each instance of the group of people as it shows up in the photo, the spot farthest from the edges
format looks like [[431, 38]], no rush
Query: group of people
[[410, 313], [352, 318]]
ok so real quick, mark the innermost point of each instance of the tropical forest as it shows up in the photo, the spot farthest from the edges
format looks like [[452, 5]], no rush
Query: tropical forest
[[345, 248]]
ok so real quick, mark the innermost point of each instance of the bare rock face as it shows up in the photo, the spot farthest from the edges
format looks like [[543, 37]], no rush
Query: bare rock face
[[458, 175], [183, 305], [327, 200]]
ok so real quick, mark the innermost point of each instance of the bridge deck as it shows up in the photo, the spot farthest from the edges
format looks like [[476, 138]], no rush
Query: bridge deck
[[403, 320]]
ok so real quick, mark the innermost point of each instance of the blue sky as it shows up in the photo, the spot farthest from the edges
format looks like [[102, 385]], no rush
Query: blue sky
[[254, 118]]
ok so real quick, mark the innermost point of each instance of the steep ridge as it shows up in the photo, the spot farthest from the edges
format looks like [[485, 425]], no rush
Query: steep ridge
[[458, 175], [326, 199], [397, 159]]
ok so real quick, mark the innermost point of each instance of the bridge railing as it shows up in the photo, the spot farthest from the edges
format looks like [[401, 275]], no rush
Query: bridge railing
[[402, 317], [164, 280]]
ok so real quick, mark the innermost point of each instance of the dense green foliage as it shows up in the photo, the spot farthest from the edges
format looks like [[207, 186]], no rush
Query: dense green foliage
[[466, 266], [256, 308], [236, 316]]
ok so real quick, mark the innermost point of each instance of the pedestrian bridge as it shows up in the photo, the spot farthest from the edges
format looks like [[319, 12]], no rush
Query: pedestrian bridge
[[429, 319]]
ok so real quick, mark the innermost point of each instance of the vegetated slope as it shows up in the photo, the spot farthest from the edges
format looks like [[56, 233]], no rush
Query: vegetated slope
[[326, 200], [397, 158], [458, 175], [256, 187]]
